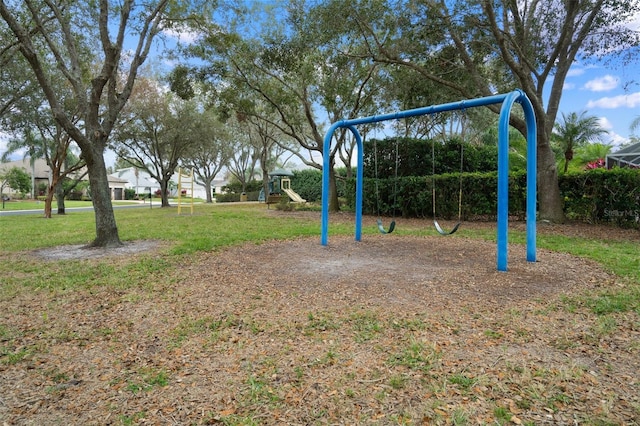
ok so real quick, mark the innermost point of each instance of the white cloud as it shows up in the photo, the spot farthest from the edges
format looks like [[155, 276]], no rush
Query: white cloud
[[182, 34], [602, 84], [605, 123], [575, 72], [578, 69], [621, 101], [568, 86], [634, 23], [616, 140]]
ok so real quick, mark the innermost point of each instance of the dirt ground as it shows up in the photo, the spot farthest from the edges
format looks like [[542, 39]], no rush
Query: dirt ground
[[395, 329]]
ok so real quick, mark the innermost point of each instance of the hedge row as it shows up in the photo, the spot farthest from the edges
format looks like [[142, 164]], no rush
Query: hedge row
[[234, 197], [594, 196], [413, 196], [603, 196], [416, 158]]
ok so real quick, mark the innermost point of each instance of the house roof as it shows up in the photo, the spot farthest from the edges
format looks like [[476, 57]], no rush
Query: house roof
[[142, 181], [115, 179], [628, 156], [42, 169]]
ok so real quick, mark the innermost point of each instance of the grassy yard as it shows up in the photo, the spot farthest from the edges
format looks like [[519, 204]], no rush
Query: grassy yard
[[39, 205], [128, 334]]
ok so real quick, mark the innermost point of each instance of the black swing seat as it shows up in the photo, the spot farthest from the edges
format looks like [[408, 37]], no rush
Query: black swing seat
[[442, 231], [392, 226]]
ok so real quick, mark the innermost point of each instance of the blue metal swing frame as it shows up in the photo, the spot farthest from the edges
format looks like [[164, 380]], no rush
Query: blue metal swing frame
[[507, 100]]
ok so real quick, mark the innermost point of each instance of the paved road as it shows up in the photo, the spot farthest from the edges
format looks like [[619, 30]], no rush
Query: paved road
[[77, 209]]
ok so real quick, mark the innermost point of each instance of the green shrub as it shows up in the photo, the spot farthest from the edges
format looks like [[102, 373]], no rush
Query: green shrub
[[308, 183], [415, 157], [601, 196], [236, 187]]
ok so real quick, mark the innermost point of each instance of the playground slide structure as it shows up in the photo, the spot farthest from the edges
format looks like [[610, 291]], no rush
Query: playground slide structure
[[285, 185], [294, 196]]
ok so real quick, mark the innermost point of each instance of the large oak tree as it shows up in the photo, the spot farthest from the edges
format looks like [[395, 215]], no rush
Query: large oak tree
[[157, 129]]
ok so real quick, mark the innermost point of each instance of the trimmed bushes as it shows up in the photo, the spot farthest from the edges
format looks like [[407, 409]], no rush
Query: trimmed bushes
[[413, 195], [593, 196], [601, 196]]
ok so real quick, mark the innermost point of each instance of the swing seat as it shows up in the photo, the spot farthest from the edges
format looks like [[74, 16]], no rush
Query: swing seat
[[392, 226], [442, 231]]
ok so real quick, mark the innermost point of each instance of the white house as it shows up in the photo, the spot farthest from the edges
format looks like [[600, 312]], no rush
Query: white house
[[141, 182], [138, 180]]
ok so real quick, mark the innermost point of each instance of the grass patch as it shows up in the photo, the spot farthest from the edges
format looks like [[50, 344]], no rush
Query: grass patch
[[149, 378], [208, 325], [132, 419], [211, 227], [320, 322], [9, 357], [366, 326], [464, 382], [39, 205], [260, 392], [416, 356]]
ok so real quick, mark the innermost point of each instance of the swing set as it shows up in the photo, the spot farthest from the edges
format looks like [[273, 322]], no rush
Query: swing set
[[507, 100]]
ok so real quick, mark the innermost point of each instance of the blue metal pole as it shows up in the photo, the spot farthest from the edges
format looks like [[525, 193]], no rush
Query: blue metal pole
[[532, 167], [326, 154], [359, 182], [326, 147], [503, 180]]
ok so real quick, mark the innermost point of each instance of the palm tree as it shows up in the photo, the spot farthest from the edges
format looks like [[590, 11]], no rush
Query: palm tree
[[635, 124], [576, 130]]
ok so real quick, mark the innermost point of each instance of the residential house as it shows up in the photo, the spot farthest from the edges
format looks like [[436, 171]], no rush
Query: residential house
[[40, 174], [141, 182]]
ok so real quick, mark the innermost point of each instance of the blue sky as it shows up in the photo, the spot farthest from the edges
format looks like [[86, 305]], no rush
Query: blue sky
[[612, 95]]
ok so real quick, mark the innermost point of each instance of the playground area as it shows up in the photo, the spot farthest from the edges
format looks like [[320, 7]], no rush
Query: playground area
[[395, 329]]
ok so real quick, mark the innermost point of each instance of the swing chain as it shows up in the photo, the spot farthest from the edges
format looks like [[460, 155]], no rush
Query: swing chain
[[392, 225], [433, 186]]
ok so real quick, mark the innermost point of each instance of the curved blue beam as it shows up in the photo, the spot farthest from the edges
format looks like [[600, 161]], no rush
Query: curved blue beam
[[507, 101]]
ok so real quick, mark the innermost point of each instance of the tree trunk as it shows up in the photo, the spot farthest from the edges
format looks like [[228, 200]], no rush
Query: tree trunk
[[60, 198], [164, 193], [48, 200], [207, 188], [51, 191], [568, 156], [549, 199], [106, 229], [265, 184], [334, 203]]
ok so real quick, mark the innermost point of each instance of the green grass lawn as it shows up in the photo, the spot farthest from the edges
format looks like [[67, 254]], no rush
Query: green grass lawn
[[39, 205]]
